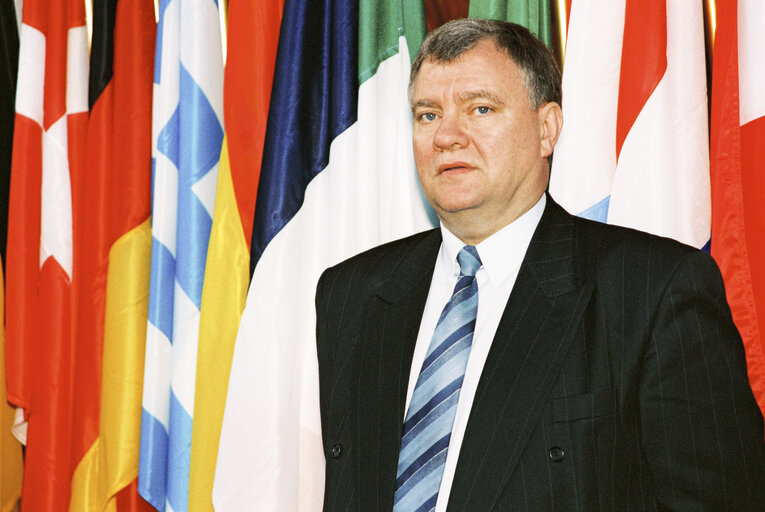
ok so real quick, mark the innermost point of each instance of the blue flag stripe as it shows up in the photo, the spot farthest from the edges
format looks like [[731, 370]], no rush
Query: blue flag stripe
[[153, 446], [314, 99], [162, 284]]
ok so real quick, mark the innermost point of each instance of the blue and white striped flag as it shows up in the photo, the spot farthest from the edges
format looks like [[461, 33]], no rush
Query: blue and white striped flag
[[187, 135]]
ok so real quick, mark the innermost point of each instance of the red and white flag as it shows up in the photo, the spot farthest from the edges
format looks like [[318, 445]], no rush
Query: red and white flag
[[634, 145], [738, 172], [48, 148]]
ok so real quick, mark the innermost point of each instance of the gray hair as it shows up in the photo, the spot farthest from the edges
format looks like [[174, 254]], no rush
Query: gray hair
[[537, 64]]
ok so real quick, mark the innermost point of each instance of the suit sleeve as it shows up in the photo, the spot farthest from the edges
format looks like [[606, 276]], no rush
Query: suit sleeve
[[322, 350], [701, 429]]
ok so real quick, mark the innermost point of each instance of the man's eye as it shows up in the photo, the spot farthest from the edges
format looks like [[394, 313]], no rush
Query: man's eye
[[428, 116], [483, 110]]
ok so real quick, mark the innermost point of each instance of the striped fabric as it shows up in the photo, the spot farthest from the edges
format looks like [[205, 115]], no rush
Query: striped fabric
[[253, 34], [604, 389], [187, 137], [635, 72], [429, 420], [114, 244], [337, 178]]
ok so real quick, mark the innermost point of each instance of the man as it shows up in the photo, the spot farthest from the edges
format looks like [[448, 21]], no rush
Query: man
[[519, 358]]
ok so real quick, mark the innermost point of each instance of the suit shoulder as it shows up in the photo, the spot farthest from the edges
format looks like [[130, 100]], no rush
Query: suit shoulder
[[608, 238], [373, 266], [385, 258], [607, 252]]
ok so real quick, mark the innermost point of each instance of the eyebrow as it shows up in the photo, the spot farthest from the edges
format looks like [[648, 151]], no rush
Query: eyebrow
[[423, 104], [480, 94], [463, 98]]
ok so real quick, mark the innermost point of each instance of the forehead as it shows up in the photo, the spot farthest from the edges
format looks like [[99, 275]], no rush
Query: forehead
[[483, 67]]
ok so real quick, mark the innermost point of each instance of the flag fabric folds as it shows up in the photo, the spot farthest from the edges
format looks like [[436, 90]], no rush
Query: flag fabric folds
[[535, 15], [738, 184], [112, 255], [48, 154], [634, 146], [11, 465], [9, 64], [253, 35], [159, 333], [187, 135], [337, 178], [89, 204]]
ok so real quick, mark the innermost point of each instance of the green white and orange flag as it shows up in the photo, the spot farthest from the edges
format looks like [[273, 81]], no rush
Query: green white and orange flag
[[253, 34]]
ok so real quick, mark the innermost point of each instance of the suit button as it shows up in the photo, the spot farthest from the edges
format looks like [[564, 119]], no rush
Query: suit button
[[556, 454], [337, 450]]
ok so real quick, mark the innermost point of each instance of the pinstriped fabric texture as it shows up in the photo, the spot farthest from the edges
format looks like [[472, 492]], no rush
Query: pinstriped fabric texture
[[616, 380], [428, 425]]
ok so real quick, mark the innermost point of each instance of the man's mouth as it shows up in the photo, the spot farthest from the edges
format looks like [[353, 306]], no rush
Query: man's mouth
[[453, 167]]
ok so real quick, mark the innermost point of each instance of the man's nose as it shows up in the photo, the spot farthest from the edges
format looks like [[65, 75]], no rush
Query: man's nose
[[450, 133]]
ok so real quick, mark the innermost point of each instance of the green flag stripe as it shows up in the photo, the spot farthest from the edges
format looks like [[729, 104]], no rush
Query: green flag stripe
[[533, 14], [381, 23]]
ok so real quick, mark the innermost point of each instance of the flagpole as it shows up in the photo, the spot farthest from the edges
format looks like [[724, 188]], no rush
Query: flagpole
[[562, 17]]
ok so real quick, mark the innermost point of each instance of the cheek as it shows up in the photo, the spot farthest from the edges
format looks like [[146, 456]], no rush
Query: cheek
[[423, 152]]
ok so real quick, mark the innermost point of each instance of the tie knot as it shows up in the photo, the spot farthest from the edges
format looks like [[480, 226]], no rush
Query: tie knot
[[469, 260]]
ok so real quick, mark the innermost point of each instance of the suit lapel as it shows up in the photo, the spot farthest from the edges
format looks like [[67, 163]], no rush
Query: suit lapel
[[389, 332], [532, 340]]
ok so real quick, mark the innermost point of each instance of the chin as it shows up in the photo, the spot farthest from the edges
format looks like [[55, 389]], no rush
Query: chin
[[453, 207]]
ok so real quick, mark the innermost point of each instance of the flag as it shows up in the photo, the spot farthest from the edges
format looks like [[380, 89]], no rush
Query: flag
[[337, 178], [112, 241], [535, 15], [634, 149], [11, 464], [253, 34], [187, 135], [738, 184], [9, 63], [48, 152]]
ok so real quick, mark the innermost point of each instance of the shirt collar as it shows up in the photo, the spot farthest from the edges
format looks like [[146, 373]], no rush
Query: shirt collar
[[500, 253]]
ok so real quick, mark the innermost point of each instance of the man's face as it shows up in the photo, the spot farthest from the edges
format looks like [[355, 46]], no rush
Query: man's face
[[480, 149]]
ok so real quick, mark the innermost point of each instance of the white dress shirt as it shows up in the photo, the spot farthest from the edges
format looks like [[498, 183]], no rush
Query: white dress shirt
[[501, 256]]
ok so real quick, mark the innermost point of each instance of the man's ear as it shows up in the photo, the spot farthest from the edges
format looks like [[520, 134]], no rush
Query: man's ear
[[550, 123]]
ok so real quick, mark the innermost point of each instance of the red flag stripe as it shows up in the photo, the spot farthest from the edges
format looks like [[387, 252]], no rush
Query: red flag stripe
[[46, 464], [752, 194], [246, 98], [110, 200], [23, 256], [737, 191], [644, 61]]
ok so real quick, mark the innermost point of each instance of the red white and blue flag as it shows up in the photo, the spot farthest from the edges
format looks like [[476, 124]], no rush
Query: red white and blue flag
[[634, 145], [337, 178]]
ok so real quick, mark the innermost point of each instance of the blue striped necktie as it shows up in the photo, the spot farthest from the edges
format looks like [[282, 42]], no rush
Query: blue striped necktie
[[429, 420]]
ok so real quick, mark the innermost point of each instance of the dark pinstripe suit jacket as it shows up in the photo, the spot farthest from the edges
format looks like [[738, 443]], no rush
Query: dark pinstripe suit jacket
[[616, 379]]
